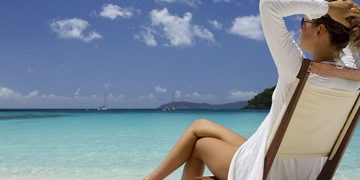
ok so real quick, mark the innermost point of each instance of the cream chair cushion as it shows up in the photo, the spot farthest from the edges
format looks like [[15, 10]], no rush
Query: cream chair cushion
[[318, 119]]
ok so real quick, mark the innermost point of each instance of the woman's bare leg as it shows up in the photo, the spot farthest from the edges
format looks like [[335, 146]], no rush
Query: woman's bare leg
[[207, 151], [183, 149], [194, 167]]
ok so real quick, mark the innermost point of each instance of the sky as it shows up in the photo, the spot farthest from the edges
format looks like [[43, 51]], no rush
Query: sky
[[141, 53]]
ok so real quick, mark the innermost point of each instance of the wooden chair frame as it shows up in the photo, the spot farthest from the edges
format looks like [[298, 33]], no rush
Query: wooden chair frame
[[308, 67]]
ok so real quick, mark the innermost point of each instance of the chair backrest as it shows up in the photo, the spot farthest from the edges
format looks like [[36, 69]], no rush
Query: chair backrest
[[316, 121]]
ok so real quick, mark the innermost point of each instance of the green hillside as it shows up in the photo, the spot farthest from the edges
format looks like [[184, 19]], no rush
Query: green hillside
[[261, 100]]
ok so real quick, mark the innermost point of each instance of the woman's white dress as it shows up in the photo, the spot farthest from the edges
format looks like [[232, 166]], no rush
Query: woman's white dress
[[248, 161]]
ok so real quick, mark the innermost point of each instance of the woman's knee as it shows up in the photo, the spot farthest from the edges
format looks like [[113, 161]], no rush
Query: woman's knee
[[216, 154], [199, 125], [200, 122]]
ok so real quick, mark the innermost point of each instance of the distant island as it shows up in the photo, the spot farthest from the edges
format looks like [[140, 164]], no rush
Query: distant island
[[260, 101]]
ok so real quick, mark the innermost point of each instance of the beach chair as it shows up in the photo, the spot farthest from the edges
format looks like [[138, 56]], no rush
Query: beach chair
[[316, 121]]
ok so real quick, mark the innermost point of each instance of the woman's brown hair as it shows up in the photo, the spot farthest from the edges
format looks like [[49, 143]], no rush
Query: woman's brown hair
[[339, 35]]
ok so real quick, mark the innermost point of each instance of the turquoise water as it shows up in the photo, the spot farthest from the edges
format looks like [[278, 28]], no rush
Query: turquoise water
[[123, 144]]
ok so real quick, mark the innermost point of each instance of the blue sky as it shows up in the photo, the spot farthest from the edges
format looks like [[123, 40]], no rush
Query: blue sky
[[67, 54]]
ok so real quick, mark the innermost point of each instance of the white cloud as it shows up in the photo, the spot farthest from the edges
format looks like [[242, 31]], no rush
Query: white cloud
[[248, 26], [147, 36], [177, 94], [92, 36], [167, 1], [215, 24], [113, 11], [107, 86], [29, 70], [10, 94], [241, 95], [203, 33], [295, 35], [236, 2], [10, 98], [121, 96], [33, 94], [114, 98], [51, 96], [73, 29], [197, 96], [292, 33], [77, 92], [6, 93], [151, 96], [179, 30], [141, 97], [192, 3], [176, 29], [219, 1], [160, 89]]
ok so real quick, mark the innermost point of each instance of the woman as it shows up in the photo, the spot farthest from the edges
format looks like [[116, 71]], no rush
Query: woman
[[325, 31]]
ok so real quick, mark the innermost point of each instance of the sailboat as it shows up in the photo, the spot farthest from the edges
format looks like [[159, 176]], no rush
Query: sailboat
[[169, 108], [104, 106]]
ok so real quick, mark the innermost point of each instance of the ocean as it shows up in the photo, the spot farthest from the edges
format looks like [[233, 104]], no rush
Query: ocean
[[113, 144]]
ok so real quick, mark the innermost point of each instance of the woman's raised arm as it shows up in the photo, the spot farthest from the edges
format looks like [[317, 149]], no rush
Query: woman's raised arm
[[286, 53]]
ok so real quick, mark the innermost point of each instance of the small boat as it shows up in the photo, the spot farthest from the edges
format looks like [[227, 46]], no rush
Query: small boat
[[169, 109], [104, 107]]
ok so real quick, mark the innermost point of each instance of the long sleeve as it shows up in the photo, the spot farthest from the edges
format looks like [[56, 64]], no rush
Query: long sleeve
[[286, 53]]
